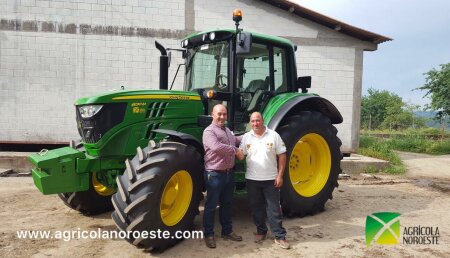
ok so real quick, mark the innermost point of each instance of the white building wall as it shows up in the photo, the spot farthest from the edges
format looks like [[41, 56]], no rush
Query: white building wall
[[43, 73], [257, 17], [41, 77], [332, 72], [141, 13]]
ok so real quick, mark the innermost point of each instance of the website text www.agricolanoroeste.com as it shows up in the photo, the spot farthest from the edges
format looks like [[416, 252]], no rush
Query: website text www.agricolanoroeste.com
[[67, 235]]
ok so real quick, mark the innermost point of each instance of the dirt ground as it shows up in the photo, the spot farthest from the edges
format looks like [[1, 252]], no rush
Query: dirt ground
[[422, 197]]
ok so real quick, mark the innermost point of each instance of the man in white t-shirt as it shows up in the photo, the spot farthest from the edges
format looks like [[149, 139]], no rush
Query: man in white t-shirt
[[264, 177]]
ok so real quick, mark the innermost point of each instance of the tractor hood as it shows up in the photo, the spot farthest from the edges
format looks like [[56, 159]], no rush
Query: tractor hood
[[115, 123], [125, 96]]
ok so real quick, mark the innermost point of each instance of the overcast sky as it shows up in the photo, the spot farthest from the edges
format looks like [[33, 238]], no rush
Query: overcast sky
[[421, 40]]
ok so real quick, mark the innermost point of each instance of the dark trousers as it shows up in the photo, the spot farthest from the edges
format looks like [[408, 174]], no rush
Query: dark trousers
[[219, 190], [264, 200]]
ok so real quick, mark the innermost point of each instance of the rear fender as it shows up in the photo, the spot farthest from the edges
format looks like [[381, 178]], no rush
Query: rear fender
[[304, 103]]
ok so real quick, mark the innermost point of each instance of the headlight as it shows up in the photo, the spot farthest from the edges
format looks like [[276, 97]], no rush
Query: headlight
[[212, 36], [89, 111], [184, 43]]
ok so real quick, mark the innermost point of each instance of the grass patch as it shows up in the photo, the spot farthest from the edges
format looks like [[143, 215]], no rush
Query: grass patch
[[429, 141], [409, 143], [420, 144], [439, 147], [381, 149], [425, 140], [428, 131], [371, 170]]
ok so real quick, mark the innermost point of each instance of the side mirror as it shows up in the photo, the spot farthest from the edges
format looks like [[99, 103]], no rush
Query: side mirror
[[304, 83], [243, 43]]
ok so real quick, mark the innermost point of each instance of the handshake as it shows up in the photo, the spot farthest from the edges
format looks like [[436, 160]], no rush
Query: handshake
[[239, 154]]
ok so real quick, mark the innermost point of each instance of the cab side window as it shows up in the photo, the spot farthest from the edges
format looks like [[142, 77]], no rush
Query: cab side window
[[279, 65], [256, 69]]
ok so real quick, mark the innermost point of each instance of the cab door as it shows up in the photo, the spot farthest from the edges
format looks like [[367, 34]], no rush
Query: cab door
[[261, 74]]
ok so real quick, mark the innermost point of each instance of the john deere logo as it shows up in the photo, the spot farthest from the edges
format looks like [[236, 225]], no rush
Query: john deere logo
[[383, 228]]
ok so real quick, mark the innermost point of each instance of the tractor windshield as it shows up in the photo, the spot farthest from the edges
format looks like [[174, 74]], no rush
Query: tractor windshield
[[207, 67]]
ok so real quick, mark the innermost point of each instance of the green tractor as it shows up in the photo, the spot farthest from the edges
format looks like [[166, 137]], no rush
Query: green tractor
[[141, 153]]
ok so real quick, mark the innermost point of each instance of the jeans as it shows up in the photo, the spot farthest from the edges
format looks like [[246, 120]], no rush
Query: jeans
[[264, 200], [219, 190]]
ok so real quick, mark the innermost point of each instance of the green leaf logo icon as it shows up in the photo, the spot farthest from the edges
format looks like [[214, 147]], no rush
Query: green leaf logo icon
[[383, 228]]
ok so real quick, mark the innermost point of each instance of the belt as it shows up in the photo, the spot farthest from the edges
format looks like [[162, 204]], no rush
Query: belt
[[221, 171]]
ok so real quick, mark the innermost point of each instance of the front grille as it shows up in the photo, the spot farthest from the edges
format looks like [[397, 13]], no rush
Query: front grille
[[92, 129]]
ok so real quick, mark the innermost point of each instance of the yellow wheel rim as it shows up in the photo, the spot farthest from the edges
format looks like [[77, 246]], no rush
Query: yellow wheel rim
[[100, 188], [310, 165], [176, 198]]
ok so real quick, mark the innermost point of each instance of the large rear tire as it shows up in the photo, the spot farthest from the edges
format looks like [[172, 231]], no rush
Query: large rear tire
[[160, 190], [312, 165]]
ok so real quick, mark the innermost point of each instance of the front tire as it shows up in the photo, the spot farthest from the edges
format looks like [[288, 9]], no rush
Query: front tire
[[312, 163], [94, 201], [160, 190]]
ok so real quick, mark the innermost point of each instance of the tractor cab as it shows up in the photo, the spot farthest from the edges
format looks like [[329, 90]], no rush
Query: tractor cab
[[239, 69]]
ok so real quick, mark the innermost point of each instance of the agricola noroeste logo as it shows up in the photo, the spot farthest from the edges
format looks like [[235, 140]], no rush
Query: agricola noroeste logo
[[383, 228]]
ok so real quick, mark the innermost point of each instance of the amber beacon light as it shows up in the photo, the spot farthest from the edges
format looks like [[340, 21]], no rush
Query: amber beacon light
[[210, 94], [237, 15]]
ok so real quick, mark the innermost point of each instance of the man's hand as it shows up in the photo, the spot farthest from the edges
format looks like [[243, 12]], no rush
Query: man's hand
[[239, 154], [281, 165], [278, 181]]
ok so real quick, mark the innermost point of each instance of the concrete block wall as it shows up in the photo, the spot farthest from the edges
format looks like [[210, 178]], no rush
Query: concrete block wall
[[141, 13], [58, 69], [333, 73], [257, 17], [44, 71], [53, 52]]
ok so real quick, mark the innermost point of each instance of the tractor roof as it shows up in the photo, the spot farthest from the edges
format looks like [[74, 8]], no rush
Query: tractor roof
[[229, 32]]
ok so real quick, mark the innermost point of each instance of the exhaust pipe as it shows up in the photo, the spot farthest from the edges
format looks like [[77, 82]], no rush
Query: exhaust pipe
[[163, 67]]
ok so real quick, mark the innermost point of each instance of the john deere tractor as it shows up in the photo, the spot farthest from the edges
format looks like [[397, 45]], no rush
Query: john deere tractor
[[141, 153]]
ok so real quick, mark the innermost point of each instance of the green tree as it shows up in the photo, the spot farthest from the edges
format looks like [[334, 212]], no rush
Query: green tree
[[373, 110], [437, 85], [386, 110], [417, 120]]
